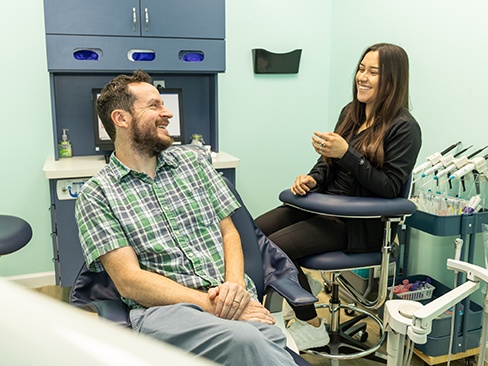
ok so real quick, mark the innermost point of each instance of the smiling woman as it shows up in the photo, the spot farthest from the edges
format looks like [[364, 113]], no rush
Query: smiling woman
[[371, 153]]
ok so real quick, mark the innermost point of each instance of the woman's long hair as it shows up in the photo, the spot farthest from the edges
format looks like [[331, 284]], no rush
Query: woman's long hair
[[391, 100]]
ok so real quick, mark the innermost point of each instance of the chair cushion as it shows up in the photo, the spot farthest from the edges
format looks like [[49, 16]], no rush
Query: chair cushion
[[349, 206], [339, 260]]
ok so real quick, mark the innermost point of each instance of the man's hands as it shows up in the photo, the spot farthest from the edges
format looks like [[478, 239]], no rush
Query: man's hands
[[256, 312], [232, 301]]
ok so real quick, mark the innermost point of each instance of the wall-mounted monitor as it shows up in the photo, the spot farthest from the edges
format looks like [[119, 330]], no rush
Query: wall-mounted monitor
[[173, 100]]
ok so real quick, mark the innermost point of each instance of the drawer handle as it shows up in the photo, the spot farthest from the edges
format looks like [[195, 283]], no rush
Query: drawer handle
[[147, 19], [134, 19]]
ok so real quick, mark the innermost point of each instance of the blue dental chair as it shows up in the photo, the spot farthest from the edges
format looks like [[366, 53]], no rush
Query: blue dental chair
[[347, 338], [271, 270], [15, 233]]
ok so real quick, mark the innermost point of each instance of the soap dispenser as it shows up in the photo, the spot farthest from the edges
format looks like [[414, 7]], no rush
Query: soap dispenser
[[64, 145]]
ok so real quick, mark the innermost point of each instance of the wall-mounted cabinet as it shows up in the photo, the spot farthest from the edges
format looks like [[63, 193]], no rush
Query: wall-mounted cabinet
[[203, 19]]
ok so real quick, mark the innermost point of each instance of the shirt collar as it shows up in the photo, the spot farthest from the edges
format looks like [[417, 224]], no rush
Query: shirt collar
[[120, 170]]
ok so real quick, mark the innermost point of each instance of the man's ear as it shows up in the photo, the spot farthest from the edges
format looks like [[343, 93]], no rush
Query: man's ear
[[120, 117]]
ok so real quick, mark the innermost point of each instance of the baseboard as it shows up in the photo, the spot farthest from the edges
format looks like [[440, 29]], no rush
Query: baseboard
[[33, 280]]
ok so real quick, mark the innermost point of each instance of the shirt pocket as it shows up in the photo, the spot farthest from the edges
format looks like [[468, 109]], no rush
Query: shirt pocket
[[199, 210]]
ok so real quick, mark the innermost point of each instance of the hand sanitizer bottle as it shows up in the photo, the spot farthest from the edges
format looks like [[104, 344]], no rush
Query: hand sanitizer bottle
[[64, 145]]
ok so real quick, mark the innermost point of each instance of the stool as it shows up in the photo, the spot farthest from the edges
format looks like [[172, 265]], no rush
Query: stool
[[15, 233]]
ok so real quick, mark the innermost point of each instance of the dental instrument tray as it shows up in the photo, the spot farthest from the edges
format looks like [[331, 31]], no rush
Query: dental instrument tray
[[419, 290]]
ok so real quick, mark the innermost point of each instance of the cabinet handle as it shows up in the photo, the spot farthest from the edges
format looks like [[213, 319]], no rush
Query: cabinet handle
[[147, 19], [134, 19]]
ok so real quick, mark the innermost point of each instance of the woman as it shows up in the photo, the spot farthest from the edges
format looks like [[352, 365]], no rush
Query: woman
[[371, 152]]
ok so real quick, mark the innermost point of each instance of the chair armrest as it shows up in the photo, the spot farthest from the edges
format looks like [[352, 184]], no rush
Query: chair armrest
[[292, 291], [113, 310], [349, 206]]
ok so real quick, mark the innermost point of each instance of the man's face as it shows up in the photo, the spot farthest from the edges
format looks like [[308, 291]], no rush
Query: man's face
[[149, 120]]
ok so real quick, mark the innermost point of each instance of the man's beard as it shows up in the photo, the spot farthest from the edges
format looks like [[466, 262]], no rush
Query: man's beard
[[146, 142]]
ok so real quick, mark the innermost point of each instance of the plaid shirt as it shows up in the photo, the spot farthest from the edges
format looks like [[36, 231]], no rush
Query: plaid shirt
[[171, 222]]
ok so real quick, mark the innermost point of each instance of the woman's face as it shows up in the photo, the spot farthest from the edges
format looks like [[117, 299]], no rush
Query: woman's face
[[368, 78]]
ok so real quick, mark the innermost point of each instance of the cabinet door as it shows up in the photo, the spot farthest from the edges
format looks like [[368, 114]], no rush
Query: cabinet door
[[92, 17], [183, 18]]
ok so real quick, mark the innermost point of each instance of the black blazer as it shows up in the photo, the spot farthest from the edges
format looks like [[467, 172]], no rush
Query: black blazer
[[402, 144]]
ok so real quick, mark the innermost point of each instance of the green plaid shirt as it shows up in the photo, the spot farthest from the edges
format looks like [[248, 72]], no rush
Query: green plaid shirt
[[171, 222]]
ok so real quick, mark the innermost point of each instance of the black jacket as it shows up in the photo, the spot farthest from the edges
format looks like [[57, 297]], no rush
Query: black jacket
[[401, 146]]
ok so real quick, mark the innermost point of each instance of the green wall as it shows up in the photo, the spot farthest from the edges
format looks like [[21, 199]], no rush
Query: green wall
[[267, 120], [25, 133]]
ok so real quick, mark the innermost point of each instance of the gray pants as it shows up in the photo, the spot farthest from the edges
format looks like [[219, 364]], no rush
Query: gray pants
[[226, 342]]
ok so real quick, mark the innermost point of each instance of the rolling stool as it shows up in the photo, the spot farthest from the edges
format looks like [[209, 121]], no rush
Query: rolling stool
[[15, 233]]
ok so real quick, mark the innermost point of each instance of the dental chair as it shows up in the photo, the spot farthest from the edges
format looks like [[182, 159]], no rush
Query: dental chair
[[347, 339], [273, 273], [15, 233]]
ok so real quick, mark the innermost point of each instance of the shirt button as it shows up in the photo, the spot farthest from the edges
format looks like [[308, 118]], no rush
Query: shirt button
[[190, 255], [361, 161]]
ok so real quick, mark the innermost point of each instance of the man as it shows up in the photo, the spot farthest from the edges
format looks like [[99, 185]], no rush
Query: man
[[158, 221]]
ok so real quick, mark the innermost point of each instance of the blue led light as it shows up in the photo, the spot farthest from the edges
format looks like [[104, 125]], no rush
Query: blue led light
[[191, 56], [143, 56], [86, 55]]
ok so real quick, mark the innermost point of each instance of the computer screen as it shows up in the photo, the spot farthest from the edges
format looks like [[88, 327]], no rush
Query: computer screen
[[173, 100]]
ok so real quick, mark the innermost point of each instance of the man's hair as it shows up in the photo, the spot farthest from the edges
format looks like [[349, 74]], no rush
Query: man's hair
[[116, 95]]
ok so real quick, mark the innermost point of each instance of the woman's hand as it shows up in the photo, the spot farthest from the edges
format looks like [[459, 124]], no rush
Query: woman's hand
[[230, 300], [302, 185], [329, 144]]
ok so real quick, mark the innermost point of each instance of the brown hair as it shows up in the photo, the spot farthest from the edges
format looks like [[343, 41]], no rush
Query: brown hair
[[391, 100], [116, 95]]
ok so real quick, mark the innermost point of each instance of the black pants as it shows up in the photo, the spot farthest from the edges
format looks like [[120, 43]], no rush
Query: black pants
[[299, 234]]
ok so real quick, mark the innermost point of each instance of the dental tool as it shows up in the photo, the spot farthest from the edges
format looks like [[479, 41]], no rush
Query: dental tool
[[478, 164], [434, 159], [457, 164], [445, 161]]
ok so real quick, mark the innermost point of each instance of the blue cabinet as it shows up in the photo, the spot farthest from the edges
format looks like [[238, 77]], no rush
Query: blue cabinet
[[201, 19], [114, 29]]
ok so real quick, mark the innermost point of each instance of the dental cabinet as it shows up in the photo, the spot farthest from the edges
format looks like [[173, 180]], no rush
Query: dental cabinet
[[180, 44]]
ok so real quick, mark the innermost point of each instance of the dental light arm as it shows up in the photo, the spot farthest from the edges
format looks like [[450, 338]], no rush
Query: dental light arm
[[422, 318], [411, 318]]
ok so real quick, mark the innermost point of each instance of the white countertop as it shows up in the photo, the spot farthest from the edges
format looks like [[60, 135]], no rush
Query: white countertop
[[88, 166]]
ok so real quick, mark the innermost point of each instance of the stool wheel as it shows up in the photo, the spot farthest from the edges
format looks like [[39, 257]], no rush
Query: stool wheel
[[361, 336], [349, 312]]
